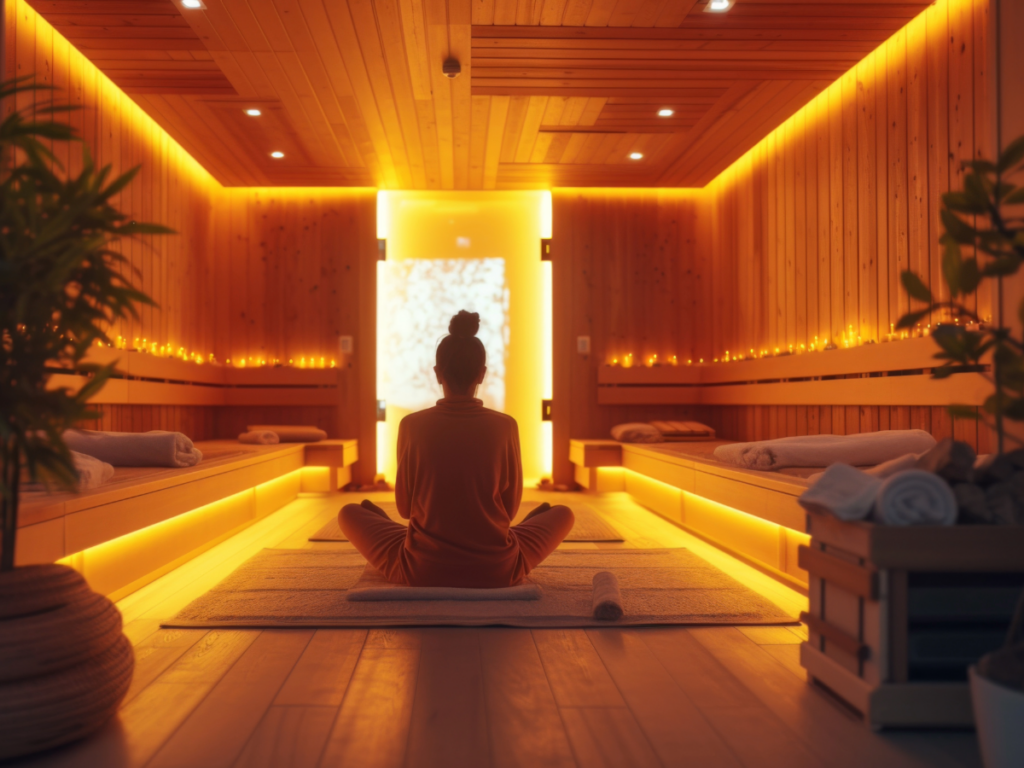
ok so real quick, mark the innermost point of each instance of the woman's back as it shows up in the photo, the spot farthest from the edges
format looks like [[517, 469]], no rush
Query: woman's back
[[459, 482]]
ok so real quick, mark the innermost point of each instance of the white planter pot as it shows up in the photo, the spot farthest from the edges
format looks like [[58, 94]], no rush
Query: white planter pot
[[999, 719]]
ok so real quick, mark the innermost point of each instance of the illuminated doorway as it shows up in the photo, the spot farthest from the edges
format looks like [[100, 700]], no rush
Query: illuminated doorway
[[478, 251]]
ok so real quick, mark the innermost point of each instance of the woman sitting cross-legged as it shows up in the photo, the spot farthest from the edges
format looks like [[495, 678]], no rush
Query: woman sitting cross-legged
[[459, 483]]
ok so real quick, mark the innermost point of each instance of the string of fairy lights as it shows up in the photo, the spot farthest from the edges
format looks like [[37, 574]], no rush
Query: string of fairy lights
[[847, 340], [170, 351]]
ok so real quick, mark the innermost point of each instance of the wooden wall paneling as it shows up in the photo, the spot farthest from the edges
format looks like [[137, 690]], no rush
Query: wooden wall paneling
[[898, 256], [917, 154]]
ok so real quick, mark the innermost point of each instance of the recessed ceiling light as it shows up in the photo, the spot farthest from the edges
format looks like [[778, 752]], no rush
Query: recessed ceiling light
[[277, 155], [253, 112], [718, 6], [636, 155], [666, 112], [192, 3]]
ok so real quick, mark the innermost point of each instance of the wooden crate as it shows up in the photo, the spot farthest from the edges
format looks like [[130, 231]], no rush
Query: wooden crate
[[897, 613]]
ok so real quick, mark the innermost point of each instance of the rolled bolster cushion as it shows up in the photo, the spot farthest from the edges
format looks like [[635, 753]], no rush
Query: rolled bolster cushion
[[915, 497], [262, 437], [291, 434], [637, 433], [607, 598]]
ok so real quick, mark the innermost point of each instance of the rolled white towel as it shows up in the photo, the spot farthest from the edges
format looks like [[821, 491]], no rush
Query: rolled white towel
[[135, 449], [915, 497], [92, 473], [607, 603], [843, 491], [867, 449], [259, 437]]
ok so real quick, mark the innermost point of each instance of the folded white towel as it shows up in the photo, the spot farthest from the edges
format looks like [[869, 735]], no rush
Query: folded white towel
[[92, 473], [259, 437], [883, 470], [869, 448], [915, 497], [843, 491], [290, 433], [135, 449]]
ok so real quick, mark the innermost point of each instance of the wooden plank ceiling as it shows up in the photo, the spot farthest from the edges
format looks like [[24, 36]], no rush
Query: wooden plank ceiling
[[552, 92]]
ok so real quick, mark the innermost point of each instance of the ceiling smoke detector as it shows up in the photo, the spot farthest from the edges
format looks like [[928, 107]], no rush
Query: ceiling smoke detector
[[451, 68]]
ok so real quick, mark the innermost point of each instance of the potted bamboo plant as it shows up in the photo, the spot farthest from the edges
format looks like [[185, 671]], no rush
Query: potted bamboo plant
[[65, 665], [985, 218]]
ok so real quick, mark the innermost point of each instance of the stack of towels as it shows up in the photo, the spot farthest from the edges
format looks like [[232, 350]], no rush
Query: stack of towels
[[272, 434], [900, 488], [95, 454], [135, 449]]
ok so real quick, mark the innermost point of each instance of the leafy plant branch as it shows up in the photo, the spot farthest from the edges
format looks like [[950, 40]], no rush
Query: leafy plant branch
[[976, 218], [62, 285]]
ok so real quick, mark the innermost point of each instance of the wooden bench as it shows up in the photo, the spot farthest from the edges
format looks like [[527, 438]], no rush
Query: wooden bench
[[147, 520], [752, 514]]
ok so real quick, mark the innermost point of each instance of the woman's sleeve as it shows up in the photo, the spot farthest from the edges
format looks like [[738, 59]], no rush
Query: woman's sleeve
[[512, 492], [403, 479]]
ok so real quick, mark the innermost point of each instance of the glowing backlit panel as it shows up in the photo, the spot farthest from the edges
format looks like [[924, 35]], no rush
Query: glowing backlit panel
[[418, 297], [478, 251]]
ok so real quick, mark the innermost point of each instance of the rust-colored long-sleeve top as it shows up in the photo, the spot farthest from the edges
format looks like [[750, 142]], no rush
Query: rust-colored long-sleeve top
[[459, 483]]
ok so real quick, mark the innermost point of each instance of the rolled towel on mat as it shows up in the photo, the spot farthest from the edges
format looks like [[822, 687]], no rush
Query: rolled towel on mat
[[607, 598], [260, 437], [868, 449], [135, 449], [843, 491], [291, 434], [915, 497], [92, 473]]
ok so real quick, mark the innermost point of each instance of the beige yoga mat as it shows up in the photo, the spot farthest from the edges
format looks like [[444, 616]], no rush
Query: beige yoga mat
[[308, 588], [590, 526]]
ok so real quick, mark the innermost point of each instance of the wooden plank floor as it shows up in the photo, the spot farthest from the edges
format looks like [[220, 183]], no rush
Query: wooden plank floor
[[722, 697]]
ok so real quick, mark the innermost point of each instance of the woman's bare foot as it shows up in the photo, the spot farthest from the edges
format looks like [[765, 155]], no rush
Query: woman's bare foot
[[367, 504], [544, 507]]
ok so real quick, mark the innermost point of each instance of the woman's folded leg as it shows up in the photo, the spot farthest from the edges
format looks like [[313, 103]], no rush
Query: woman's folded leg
[[541, 532], [378, 538]]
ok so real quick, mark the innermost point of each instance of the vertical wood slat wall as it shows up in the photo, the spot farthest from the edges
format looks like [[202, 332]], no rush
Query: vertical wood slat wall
[[250, 272], [297, 270], [803, 237], [171, 187]]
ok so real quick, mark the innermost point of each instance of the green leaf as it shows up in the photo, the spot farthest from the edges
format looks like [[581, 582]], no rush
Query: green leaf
[[951, 265], [915, 287], [964, 412], [957, 228], [1012, 155], [911, 319], [970, 275]]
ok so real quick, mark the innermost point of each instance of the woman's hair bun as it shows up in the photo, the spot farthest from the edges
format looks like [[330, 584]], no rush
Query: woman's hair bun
[[465, 324]]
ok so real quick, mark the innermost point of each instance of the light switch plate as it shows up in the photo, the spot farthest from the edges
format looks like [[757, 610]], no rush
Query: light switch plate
[[583, 345], [345, 345]]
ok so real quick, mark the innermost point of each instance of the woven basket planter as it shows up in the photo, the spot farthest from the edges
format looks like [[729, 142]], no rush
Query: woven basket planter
[[65, 665]]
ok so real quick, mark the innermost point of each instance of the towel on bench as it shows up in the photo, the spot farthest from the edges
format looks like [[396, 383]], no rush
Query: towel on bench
[[911, 497], [135, 449], [259, 437], [291, 434], [867, 449], [92, 473]]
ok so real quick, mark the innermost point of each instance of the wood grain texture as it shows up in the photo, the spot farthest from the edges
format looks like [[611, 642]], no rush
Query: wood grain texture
[[800, 242], [353, 94]]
